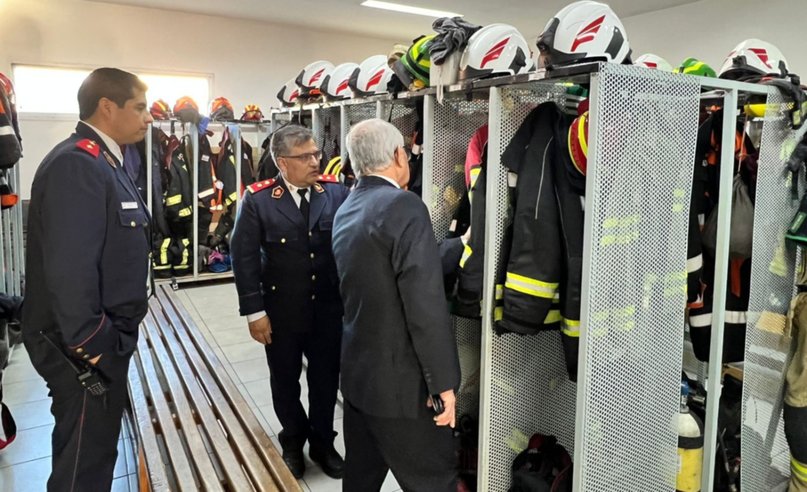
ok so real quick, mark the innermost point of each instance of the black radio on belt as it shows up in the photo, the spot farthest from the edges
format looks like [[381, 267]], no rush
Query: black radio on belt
[[87, 377]]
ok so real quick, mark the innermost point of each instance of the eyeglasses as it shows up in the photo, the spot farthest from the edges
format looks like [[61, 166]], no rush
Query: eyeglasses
[[305, 157]]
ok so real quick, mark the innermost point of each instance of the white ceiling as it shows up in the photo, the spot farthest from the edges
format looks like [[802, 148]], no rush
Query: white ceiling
[[529, 16]]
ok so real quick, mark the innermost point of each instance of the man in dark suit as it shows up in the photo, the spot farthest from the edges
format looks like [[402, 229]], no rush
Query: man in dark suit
[[398, 347], [87, 275], [288, 289]]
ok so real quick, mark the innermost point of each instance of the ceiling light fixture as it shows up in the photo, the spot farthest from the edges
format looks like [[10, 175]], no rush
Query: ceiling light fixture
[[408, 9]]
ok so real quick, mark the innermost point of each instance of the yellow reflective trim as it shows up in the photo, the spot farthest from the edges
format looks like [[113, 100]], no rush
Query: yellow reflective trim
[[164, 251], [532, 287], [571, 328], [173, 200], [498, 313], [232, 198], [499, 292], [185, 212], [581, 134], [466, 253], [474, 175], [798, 468], [185, 252], [552, 316]]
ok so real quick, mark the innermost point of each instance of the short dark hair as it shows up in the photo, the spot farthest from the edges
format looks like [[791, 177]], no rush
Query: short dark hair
[[287, 137], [114, 84]]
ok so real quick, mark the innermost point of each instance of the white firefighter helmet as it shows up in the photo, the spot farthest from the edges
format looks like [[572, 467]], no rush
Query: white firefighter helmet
[[371, 77], [497, 49], [335, 84], [753, 58], [650, 60], [311, 77], [289, 93], [584, 31]]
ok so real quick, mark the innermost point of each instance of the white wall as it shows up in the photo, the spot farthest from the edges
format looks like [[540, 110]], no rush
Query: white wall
[[249, 61], [709, 30]]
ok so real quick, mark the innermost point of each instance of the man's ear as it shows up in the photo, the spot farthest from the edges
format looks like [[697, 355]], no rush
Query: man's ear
[[104, 107]]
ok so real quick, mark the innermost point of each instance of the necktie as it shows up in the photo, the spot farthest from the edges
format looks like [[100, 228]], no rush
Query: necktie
[[305, 207]]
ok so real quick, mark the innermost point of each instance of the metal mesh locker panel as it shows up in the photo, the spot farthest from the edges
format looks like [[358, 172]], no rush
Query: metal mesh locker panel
[[329, 131], [402, 115], [359, 112], [643, 132], [765, 453], [454, 124], [529, 390]]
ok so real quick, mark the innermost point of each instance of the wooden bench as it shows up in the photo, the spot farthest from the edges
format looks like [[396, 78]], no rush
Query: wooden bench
[[192, 427]]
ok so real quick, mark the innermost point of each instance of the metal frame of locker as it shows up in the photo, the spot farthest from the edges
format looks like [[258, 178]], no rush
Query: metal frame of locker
[[235, 133]]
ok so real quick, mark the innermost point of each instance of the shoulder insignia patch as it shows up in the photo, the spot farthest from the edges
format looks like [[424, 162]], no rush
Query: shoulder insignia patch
[[109, 160], [261, 185], [89, 146], [277, 192], [318, 188], [327, 178]]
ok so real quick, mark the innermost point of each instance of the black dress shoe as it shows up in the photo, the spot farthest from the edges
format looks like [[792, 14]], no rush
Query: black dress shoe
[[326, 456], [295, 461]]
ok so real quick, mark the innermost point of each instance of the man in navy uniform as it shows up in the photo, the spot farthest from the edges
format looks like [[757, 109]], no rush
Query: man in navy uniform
[[87, 275], [288, 290]]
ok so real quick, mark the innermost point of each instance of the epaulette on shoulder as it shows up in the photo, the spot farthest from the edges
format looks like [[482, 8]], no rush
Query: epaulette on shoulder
[[327, 178], [261, 185], [89, 146]]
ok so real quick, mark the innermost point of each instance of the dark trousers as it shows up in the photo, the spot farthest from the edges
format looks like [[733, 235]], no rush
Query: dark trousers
[[421, 455], [321, 347], [87, 428]]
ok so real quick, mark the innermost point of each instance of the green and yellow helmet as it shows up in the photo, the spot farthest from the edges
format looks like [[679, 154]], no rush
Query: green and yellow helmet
[[413, 68], [693, 66]]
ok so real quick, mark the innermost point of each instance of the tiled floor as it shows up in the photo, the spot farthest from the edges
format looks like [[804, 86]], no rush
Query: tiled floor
[[25, 464]]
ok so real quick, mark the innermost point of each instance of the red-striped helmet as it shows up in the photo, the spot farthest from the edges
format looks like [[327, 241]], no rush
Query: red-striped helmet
[[221, 110], [160, 110], [578, 142], [252, 113]]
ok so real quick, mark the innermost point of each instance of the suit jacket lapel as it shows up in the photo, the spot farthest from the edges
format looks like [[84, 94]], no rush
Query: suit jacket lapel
[[287, 207]]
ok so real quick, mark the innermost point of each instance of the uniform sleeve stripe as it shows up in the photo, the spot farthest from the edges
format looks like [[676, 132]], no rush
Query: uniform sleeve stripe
[[97, 329]]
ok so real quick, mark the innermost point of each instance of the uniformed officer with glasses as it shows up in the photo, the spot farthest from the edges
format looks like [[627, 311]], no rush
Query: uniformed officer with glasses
[[288, 289]]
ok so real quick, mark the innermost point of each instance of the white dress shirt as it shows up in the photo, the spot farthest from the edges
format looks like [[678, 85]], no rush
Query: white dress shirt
[[110, 144], [387, 178]]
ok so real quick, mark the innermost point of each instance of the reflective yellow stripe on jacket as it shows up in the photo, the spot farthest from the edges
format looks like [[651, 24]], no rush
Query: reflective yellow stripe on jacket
[[466, 253], [529, 286]]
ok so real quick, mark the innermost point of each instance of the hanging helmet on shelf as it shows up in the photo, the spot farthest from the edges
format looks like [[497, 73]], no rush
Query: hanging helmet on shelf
[[584, 31], [289, 93], [414, 66], [186, 110], [252, 113], [650, 60], [578, 142], [372, 76], [221, 110], [396, 53], [310, 78], [753, 59], [497, 49], [336, 85], [693, 66], [160, 110]]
